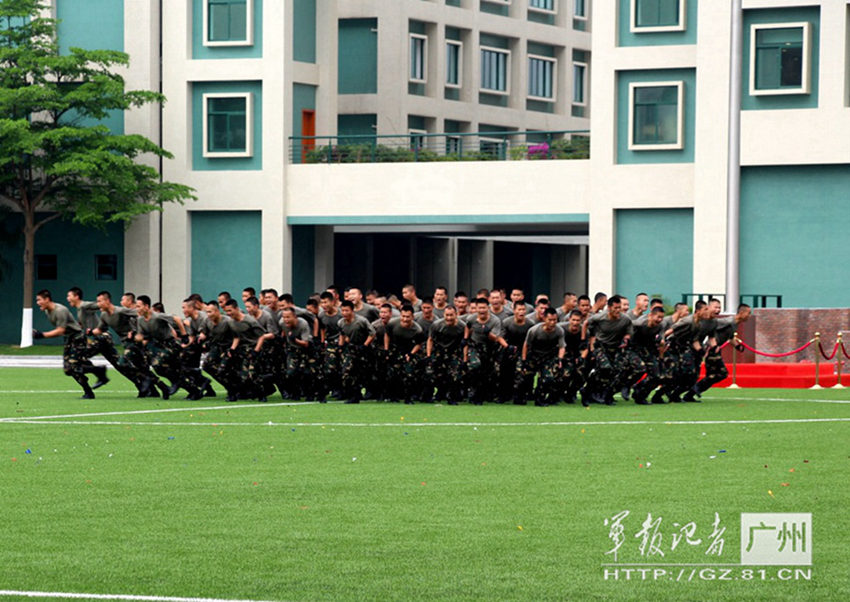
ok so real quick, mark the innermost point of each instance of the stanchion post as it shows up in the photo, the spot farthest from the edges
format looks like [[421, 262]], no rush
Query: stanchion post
[[817, 363], [840, 357], [735, 341]]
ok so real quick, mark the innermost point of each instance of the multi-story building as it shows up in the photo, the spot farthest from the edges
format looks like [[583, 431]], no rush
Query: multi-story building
[[247, 80]]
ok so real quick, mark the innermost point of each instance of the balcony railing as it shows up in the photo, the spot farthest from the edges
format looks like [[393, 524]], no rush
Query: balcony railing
[[460, 146]]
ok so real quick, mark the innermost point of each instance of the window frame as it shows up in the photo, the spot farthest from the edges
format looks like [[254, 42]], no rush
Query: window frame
[[410, 74], [545, 11], [418, 141], [97, 267], [584, 82], [806, 68], [503, 146], [583, 15], [681, 26], [507, 52], [459, 46], [249, 125], [249, 27], [680, 116], [554, 62]]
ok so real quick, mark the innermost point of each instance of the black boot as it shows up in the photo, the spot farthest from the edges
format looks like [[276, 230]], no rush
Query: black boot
[[100, 373]]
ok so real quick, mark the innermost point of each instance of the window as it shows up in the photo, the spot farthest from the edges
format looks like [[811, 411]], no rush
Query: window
[[579, 83], [228, 125], [454, 145], [541, 78], [655, 116], [780, 58], [228, 22], [495, 67], [418, 58], [106, 267], [454, 57], [580, 9], [542, 6], [46, 267], [493, 147], [657, 15], [417, 138]]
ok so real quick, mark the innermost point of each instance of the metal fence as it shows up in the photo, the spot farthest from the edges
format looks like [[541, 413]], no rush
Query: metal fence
[[454, 146]]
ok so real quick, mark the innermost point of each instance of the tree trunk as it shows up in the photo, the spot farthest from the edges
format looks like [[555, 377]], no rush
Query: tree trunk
[[29, 274]]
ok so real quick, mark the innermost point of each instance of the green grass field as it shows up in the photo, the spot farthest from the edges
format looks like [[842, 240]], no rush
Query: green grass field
[[383, 501]]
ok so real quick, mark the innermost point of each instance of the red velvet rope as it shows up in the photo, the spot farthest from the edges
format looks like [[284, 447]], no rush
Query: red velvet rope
[[764, 353], [844, 351], [823, 353]]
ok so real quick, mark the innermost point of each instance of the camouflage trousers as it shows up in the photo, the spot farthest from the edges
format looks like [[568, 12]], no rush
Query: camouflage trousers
[[354, 370], [403, 376], [686, 368], [444, 374], [654, 367], [75, 358], [131, 363], [332, 366], [549, 377], [480, 369], [506, 372], [715, 370], [613, 369], [378, 365], [217, 364]]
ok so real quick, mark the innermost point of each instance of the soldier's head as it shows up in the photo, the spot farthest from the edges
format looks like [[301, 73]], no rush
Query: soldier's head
[[615, 307], [641, 302], [427, 308], [269, 296], [715, 307], [406, 315], [385, 312], [680, 310], [312, 306], [43, 298], [333, 289], [496, 301], [128, 300], [541, 304], [74, 296], [355, 295], [701, 309], [288, 316], [223, 297], [743, 313], [656, 314], [624, 304], [550, 319], [584, 305], [483, 292], [143, 304], [372, 297], [286, 300], [104, 300], [520, 310], [450, 315], [441, 296], [197, 300], [599, 301], [158, 307], [231, 308], [408, 292], [656, 302], [461, 302], [481, 306], [248, 291], [569, 301], [213, 310], [252, 306], [576, 318], [517, 295], [346, 308], [326, 300], [188, 307]]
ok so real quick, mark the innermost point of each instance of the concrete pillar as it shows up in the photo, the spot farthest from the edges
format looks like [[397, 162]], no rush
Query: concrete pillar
[[323, 273]]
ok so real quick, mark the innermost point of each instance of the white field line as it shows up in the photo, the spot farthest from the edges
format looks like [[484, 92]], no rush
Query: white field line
[[430, 424], [121, 391], [165, 410], [73, 595]]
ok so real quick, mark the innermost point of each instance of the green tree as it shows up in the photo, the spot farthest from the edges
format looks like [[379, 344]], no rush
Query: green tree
[[55, 161]]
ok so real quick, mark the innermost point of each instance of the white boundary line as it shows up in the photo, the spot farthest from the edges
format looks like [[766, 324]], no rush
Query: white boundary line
[[431, 424], [68, 595], [165, 410]]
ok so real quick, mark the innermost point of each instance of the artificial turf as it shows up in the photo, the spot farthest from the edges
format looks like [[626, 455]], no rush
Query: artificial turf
[[388, 501]]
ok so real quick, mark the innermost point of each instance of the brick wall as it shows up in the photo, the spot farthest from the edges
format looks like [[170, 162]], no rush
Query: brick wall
[[782, 330]]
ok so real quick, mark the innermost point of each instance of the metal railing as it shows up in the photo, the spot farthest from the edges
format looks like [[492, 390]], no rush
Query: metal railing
[[448, 146], [753, 300]]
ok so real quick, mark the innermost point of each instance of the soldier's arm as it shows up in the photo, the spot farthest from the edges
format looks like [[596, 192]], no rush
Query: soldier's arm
[[524, 350], [429, 346], [386, 342]]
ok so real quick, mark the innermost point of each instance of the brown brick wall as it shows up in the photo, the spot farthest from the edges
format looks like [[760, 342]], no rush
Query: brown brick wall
[[781, 330]]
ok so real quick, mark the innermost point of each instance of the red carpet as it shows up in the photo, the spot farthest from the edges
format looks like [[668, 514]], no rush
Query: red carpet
[[785, 376]]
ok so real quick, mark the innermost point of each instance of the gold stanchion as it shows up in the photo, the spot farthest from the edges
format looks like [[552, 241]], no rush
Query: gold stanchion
[[839, 355], [735, 341], [817, 363]]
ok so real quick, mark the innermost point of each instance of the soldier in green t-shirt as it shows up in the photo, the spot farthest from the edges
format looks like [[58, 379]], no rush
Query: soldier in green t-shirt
[[75, 361]]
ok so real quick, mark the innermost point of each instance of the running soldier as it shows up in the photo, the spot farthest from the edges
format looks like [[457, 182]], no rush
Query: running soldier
[[329, 329], [300, 375], [356, 334], [245, 353], [715, 367], [607, 332], [646, 343], [575, 356], [542, 355], [514, 330], [402, 341], [485, 338], [75, 362]]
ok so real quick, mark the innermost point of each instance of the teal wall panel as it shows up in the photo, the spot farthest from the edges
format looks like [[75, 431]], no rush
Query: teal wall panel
[[304, 30], [654, 252], [358, 56], [75, 248], [225, 253], [303, 262], [625, 37], [201, 163], [794, 234], [78, 26], [686, 154], [303, 98], [358, 125], [781, 15], [199, 51]]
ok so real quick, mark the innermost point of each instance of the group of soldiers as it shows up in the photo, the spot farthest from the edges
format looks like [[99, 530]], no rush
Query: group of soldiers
[[491, 347]]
